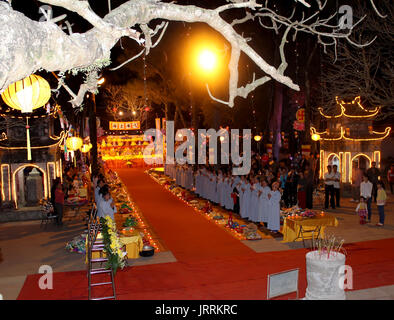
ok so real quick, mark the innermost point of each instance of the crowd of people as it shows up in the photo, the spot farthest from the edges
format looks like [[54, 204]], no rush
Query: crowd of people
[[273, 184], [258, 196], [76, 179]]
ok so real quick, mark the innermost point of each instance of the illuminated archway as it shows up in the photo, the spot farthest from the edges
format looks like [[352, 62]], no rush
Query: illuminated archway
[[45, 182], [360, 161], [334, 159]]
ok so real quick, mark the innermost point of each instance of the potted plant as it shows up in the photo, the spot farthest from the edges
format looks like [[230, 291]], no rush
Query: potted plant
[[324, 269]]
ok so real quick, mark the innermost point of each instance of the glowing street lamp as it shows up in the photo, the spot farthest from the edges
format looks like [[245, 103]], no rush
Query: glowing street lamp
[[207, 60], [257, 138]]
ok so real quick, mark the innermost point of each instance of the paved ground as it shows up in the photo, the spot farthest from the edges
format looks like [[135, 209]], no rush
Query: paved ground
[[26, 246]]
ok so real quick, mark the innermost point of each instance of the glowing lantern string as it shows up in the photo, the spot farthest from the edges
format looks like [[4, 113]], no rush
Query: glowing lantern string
[[26, 95]]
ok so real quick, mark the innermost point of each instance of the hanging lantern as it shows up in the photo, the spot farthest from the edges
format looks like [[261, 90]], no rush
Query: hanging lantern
[[257, 138], [74, 143], [86, 148], [26, 95]]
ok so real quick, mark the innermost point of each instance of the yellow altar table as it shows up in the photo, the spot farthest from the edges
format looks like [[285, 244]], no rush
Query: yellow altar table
[[297, 229], [133, 244]]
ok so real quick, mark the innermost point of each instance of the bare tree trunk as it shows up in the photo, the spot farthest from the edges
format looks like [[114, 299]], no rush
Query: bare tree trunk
[[180, 116], [276, 120], [93, 134], [175, 118], [166, 110], [308, 107]]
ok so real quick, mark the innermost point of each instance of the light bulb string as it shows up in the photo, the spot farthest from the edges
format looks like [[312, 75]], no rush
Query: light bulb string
[[252, 102], [144, 61]]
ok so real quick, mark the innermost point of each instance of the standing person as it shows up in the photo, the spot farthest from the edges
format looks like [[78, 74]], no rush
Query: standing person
[[357, 179], [303, 163], [59, 203], [106, 207], [366, 192], [316, 169], [242, 197], [381, 201], [245, 213], [264, 160], [274, 208], [285, 185], [288, 189], [292, 179], [238, 193], [337, 185], [362, 210], [264, 202], [235, 199], [97, 196], [301, 191], [373, 174], [53, 193], [254, 205], [329, 188], [308, 174], [390, 177]]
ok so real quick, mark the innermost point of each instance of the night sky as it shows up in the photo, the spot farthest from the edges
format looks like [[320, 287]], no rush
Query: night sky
[[252, 112]]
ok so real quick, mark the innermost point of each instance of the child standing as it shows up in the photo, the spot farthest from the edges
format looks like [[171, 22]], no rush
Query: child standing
[[274, 208], [381, 201], [362, 210]]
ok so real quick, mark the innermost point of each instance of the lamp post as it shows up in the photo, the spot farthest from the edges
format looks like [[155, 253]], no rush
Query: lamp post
[[258, 138]]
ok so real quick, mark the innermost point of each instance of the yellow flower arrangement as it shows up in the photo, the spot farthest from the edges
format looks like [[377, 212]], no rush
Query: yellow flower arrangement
[[113, 247]]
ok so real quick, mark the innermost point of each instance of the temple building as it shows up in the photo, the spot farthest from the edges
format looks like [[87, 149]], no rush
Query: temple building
[[25, 182], [349, 140]]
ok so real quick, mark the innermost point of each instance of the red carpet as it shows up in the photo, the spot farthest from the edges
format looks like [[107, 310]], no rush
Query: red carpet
[[227, 278], [187, 234], [211, 264]]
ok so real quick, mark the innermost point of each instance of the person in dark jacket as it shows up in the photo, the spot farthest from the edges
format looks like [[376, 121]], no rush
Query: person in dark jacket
[[53, 190], [59, 203], [308, 173]]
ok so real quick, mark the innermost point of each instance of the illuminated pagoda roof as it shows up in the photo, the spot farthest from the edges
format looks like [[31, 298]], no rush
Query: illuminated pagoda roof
[[352, 109], [352, 122]]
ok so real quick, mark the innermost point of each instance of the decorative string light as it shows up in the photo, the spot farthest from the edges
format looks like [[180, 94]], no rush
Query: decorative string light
[[357, 101], [62, 135], [385, 133], [146, 108], [252, 102]]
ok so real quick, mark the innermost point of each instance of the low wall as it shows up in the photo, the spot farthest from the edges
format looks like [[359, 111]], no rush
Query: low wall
[[8, 215]]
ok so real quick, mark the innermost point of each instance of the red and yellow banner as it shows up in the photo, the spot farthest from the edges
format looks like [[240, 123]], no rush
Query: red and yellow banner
[[300, 115], [122, 125], [306, 149]]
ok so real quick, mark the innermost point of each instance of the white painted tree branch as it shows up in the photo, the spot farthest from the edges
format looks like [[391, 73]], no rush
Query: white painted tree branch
[[28, 45], [128, 60]]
